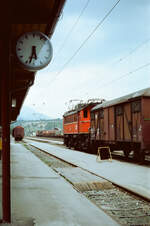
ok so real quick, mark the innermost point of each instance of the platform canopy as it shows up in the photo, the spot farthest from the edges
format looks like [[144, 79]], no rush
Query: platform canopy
[[16, 18]]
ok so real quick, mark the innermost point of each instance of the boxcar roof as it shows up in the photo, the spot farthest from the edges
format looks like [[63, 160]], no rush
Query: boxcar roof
[[140, 93]]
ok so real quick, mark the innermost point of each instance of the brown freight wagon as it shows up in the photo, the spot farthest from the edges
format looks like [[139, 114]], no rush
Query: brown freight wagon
[[123, 124]]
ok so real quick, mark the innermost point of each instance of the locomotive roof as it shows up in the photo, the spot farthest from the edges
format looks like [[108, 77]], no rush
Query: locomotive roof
[[77, 108], [140, 93]]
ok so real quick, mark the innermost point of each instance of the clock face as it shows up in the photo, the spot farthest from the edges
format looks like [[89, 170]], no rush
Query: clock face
[[34, 50]]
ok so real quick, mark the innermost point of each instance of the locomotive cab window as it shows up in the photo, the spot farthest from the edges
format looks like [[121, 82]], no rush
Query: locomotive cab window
[[75, 118], [85, 114], [136, 106]]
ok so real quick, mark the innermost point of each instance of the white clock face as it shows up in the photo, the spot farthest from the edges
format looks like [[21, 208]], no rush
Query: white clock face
[[34, 50]]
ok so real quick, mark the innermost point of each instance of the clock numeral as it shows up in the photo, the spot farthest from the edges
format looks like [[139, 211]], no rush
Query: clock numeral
[[21, 42], [26, 36], [21, 56], [19, 49], [33, 35], [26, 61]]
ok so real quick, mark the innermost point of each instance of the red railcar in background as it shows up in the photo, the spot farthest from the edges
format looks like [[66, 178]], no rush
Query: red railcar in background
[[18, 133], [49, 133], [123, 124], [76, 124]]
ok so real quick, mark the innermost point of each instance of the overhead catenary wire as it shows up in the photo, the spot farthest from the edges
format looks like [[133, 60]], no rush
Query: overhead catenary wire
[[104, 85], [132, 51], [122, 59], [87, 38], [71, 30], [124, 75]]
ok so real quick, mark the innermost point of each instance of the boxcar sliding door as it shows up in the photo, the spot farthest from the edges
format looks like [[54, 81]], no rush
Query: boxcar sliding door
[[101, 125], [136, 120], [119, 121], [127, 122], [111, 122]]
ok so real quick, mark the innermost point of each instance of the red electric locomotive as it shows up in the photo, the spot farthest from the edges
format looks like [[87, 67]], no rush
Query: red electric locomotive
[[76, 124]]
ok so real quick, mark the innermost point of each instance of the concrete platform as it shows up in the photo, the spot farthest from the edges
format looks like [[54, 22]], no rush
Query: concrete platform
[[41, 197], [135, 178]]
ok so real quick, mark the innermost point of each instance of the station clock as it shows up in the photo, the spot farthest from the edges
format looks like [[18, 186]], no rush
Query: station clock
[[34, 50]]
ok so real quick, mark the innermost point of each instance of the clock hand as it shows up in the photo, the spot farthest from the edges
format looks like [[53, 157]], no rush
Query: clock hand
[[33, 54]]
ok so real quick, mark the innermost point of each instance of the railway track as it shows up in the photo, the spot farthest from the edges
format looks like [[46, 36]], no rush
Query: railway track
[[120, 156], [115, 154], [123, 206]]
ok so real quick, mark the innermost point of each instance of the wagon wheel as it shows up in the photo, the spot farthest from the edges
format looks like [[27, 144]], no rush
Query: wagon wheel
[[89, 148], [139, 156], [126, 153], [142, 156]]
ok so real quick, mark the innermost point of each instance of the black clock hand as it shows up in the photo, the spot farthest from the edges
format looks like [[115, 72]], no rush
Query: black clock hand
[[33, 54]]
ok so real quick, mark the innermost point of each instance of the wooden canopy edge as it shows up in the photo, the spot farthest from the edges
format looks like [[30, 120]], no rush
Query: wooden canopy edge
[[54, 18]]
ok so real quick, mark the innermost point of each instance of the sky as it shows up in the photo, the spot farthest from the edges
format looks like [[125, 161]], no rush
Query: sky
[[113, 61]]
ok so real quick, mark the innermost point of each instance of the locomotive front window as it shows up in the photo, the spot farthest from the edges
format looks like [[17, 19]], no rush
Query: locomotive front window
[[85, 113]]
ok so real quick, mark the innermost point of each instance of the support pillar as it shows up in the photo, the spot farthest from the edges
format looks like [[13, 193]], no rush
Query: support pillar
[[5, 121]]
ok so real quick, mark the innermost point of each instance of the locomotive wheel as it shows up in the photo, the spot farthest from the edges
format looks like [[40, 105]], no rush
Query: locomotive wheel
[[79, 147], [69, 144], [136, 155], [76, 145]]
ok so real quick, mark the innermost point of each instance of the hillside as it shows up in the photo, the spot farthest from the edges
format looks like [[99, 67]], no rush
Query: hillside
[[28, 113], [32, 126]]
